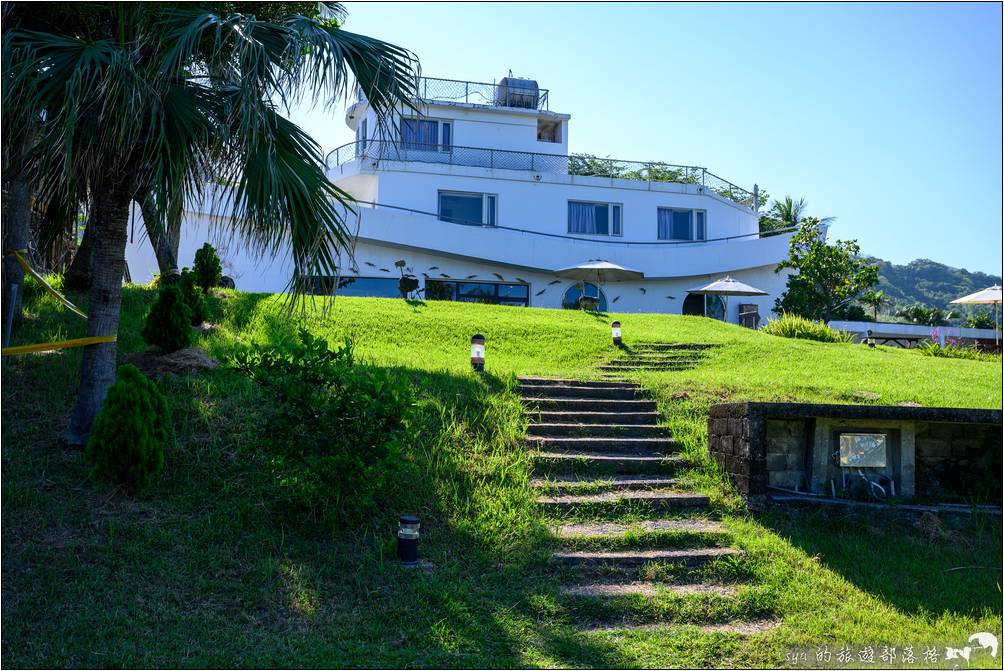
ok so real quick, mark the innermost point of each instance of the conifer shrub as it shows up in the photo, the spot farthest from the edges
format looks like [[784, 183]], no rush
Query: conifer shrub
[[168, 325], [207, 268], [337, 432], [126, 445], [194, 298]]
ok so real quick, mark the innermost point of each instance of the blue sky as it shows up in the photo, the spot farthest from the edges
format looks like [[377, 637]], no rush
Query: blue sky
[[887, 117]]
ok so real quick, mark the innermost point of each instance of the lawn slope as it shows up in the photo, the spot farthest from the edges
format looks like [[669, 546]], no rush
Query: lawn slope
[[214, 568]]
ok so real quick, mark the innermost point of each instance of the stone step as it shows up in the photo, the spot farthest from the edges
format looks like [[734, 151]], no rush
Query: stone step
[[589, 405], [555, 417], [655, 499], [618, 444], [598, 430], [606, 463], [595, 384], [571, 483], [627, 559], [642, 588], [589, 530], [547, 391], [653, 362], [737, 627]]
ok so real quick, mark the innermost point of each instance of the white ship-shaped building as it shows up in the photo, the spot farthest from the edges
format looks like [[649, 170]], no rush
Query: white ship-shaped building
[[475, 195]]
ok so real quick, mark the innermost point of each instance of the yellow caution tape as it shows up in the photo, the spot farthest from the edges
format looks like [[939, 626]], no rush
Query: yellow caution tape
[[61, 344], [31, 271]]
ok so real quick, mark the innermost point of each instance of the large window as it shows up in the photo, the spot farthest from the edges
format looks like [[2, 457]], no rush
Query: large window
[[704, 305], [573, 295], [361, 136], [594, 218], [473, 209], [495, 293], [677, 224], [428, 134]]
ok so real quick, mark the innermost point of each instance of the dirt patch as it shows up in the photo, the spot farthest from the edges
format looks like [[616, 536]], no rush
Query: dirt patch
[[910, 404], [187, 361]]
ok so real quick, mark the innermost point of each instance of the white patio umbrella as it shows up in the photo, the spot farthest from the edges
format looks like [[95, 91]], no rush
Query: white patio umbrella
[[727, 287], [990, 295], [599, 271]]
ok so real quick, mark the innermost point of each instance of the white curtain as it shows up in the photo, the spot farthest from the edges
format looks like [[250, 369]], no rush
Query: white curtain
[[581, 218]]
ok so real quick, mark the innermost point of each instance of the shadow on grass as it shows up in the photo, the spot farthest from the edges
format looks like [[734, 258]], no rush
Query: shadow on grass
[[938, 568]]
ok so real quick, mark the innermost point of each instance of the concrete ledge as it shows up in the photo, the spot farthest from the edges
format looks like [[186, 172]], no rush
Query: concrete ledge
[[840, 411]]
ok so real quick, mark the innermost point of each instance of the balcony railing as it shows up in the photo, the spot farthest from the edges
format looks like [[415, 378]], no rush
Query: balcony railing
[[575, 164], [431, 89]]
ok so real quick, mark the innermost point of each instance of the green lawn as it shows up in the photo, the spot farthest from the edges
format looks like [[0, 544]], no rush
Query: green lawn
[[213, 567]]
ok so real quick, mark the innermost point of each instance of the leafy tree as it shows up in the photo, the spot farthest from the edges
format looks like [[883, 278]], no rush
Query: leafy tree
[[919, 314], [171, 96], [829, 277], [593, 166], [982, 319], [874, 300], [195, 298]]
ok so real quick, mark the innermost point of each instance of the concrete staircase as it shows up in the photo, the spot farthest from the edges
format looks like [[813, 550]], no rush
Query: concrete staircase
[[656, 356], [605, 474]]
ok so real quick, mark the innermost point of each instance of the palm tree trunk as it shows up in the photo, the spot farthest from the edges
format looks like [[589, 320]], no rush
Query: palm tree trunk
[[109, 227], [78, 275], [16, 222], [165, 245]]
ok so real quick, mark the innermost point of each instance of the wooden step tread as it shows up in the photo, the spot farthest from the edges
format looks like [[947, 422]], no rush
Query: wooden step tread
[[630, 558], [676, 498], [612, 481], [643, 588], [738, 627]]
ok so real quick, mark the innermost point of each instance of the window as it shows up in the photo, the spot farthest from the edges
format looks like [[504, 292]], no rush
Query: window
[[704, 305], [361, 137], [548, 130], [495, 293], [594, 218], [428, 134], [472, 209], [681, 224], [570, 301]]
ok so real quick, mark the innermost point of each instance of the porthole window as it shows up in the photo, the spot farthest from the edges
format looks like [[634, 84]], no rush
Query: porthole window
[[573, 295]]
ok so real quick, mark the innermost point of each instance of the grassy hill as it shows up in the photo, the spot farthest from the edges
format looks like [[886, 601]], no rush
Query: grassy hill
[[214, 568], [930, 284]]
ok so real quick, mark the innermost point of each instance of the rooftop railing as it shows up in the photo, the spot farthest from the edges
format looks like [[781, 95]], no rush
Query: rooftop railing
[[575, 164], [478, 93]]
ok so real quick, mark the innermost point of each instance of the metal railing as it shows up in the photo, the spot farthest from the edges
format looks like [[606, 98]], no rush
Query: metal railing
[[477, 93], [575, 164]]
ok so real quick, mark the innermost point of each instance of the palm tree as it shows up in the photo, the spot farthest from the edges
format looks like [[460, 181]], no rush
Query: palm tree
[[788, 214], [169, 96], [874, 300]]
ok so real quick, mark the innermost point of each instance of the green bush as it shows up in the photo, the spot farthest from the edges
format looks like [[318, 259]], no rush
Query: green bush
[[194, 299], [207, 268], [126, 445], [168, 325], [794, 326], [336, 430], [953, 351]]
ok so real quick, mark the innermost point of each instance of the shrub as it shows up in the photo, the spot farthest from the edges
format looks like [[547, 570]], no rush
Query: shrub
[[126, 445], [207, 268], [194, 299], [337, 430], [794, 326], [953, 351], [168, 325], [32, 290]]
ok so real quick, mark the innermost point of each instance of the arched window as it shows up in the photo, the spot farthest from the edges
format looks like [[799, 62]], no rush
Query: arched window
[[570, 301], [704, 304]]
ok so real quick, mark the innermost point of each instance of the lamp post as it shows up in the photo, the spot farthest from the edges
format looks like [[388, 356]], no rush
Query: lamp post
[[407, 540], [870, 340], [478, 352], [615, 331]]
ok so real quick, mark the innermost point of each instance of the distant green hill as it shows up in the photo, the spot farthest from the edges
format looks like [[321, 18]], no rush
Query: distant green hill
[[929, 283]]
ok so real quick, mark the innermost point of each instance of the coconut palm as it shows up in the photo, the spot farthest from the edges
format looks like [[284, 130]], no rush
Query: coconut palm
[[874, 300], [171, 97]]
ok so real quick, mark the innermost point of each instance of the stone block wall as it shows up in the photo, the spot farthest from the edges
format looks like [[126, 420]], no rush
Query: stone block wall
[[961, 459], [735, 441]]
